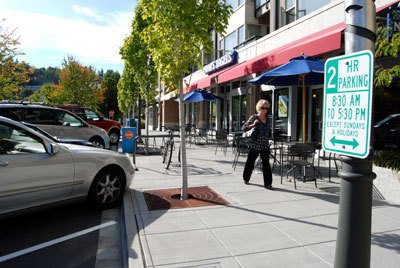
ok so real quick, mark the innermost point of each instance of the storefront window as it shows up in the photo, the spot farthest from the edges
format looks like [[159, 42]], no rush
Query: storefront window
[[221, 48], [196, 107], [302, 8], [239, 105], [211, 115], [230, 42], [241, 34], [253, 30], [290, 15], [207, 58], [281, 109]]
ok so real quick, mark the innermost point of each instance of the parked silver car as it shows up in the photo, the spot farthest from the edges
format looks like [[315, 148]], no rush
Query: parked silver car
[[36, 171], [57, 122], [55, 139]]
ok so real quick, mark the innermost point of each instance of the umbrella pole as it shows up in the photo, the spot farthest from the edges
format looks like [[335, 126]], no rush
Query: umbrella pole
[[304, 107]]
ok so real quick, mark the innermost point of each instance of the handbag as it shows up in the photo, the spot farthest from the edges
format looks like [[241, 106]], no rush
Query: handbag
[[251, 133]]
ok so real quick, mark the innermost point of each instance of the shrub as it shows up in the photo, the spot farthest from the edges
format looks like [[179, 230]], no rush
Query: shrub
[[388, 159]]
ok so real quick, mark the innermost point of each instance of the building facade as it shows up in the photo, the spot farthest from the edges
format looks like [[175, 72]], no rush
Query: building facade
[[260, 36]]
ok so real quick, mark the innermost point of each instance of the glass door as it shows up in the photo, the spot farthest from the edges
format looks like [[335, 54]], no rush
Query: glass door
[[317, 114]]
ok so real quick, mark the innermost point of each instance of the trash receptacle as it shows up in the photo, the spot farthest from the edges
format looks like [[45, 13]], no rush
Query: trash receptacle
[[128, 138]]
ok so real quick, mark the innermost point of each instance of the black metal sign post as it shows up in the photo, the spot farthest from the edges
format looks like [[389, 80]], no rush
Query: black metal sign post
[[353, 245]]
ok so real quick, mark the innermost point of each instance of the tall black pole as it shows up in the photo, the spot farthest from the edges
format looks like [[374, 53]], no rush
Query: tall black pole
[[353, 245], [139, 115]]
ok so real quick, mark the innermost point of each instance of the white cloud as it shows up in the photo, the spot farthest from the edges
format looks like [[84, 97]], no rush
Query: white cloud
[[88, 42], [87, 12]]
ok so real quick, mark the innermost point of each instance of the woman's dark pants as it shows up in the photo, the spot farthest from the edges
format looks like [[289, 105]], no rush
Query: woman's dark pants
[[266, 168]]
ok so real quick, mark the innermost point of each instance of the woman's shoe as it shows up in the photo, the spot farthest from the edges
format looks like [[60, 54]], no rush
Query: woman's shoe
[[245, 182], [269, 187]]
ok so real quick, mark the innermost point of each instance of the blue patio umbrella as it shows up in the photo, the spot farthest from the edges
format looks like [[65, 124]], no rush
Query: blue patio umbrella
[[302, 70], [199, 95]]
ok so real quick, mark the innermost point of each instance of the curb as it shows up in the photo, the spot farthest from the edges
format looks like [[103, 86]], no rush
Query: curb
[[134, 248]]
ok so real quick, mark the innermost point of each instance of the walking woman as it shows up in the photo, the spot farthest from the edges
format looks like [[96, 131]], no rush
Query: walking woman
[[259, 146]]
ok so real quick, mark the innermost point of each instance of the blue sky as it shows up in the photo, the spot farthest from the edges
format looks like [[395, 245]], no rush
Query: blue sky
[[90, 30]]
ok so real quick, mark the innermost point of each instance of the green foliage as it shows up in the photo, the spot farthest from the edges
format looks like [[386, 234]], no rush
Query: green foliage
[[385, 49], [179, 31], [109, 83], [127, 89], [388, 159], [138, 62], [79, 85], [12, 72], [47, 94], [42, 76]]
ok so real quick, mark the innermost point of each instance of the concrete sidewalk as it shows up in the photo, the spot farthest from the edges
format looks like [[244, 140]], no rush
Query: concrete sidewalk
[[259, 228]]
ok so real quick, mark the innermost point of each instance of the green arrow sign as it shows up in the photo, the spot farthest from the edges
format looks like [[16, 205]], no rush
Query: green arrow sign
[[352, 143]]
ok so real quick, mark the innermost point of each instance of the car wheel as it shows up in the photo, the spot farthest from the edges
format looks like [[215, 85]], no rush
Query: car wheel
[[114, 137], [97, 142], [107, 189]]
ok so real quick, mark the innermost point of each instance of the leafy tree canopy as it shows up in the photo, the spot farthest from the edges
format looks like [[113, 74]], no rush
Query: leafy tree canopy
[[386, 49], [47, 94], [136, 53], [12, 72], [179, 31], [109, 83], [127, 92], [41, 76], [79, 85]]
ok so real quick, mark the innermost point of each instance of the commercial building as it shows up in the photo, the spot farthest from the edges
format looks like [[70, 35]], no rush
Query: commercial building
[[261, 35]]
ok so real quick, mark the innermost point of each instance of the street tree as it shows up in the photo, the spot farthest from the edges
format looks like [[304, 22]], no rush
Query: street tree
[[136, 55], [79, 85], [47, 94], [179, 31], [109, 83], [12, 72], [386, 49], [127, 89]]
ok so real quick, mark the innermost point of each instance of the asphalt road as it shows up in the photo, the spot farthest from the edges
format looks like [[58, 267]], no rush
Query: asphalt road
[[66, 236]]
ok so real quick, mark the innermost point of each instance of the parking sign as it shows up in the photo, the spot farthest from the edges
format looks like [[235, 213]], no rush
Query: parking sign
[[347, 104]]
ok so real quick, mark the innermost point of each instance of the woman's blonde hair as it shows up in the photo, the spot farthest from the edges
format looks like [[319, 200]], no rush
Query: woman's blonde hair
[[262, 103]]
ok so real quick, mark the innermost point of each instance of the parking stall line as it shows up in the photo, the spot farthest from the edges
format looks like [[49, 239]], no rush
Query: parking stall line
[[55, 241]]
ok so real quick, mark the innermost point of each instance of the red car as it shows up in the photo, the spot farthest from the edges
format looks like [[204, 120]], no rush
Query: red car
[[112, 127]]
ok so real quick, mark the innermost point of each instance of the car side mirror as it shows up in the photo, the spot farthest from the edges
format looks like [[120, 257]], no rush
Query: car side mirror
[[101, 118], [52, 148]]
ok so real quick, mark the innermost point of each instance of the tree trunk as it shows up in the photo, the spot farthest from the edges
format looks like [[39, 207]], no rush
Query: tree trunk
[[184, 190], [147, 120], [139, 115]]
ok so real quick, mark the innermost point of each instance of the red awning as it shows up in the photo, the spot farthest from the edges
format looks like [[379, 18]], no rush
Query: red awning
[[315, 44], [318, 43], [204, 82]]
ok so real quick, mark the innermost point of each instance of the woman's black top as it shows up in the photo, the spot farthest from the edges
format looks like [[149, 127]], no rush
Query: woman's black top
[[262, 141]]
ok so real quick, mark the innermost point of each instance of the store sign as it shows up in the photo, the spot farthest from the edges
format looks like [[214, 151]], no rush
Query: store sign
[[224, 61], [347, 104], [392, 21]]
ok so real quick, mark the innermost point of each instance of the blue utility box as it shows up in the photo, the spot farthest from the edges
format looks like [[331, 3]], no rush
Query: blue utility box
[[128, 139]]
